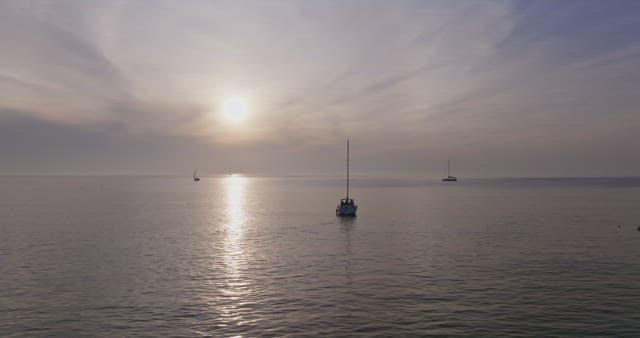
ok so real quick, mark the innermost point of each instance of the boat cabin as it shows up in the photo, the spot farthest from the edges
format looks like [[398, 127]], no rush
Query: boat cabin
[[346, 201]]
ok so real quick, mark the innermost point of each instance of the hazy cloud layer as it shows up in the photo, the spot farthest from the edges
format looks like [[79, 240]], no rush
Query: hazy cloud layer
[[502, 88]]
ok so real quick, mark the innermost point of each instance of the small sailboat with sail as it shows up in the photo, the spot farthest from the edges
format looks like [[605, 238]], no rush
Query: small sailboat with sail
[[347, 206], [449, 178], [195, 175]]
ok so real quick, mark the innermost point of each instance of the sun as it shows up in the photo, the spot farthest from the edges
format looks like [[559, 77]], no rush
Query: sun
[[235, 109]]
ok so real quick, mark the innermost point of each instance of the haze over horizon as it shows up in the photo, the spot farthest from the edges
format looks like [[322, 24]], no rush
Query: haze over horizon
[[502, 88]]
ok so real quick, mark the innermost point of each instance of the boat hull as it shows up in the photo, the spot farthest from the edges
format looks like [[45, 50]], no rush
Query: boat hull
[[346, 210]]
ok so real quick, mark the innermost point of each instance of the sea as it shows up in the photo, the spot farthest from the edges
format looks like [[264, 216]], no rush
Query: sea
[[245, 256]]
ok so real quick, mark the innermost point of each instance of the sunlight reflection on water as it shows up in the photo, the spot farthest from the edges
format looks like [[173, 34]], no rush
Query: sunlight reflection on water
[[234, 287], [235, 221]]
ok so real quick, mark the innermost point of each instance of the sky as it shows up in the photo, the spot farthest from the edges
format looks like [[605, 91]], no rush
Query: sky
[[502, 88]]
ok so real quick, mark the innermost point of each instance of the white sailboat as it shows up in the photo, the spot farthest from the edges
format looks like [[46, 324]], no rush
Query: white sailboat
[[195, 175], [449, 178], [347, 206]]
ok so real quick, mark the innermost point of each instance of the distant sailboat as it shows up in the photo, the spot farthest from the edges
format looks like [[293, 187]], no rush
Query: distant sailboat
[[195, 175], [449, 178], [347, 206]]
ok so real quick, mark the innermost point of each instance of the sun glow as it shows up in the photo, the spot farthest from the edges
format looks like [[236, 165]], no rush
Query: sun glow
[[235, 109]]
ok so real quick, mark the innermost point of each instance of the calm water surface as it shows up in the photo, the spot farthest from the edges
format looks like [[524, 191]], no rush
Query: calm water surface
[[247, 256]]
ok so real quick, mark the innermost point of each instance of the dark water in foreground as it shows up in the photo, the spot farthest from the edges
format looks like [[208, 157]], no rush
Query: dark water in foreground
[[242, 256]]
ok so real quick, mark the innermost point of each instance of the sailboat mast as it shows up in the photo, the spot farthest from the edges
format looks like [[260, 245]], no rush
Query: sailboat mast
[[347, 168], [448, 167]]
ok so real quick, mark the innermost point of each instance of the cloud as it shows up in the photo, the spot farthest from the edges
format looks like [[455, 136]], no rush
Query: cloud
[[490, 79]]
